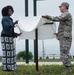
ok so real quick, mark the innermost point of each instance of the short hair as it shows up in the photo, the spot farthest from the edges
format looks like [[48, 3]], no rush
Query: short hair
[[6, 9]]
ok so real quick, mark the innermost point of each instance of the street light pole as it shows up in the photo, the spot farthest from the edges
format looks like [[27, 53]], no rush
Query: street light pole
[[26, 41]]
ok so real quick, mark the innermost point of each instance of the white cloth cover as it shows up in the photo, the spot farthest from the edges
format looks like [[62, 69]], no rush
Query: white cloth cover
[[27, 26]]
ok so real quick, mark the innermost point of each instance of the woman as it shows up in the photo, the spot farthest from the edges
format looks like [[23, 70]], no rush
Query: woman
[[7, 40]]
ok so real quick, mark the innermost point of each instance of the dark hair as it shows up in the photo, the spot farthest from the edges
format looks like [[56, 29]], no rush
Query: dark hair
[[6, 9]]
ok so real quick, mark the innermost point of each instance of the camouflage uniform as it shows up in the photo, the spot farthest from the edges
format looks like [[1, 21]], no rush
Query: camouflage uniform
[[64, 35]]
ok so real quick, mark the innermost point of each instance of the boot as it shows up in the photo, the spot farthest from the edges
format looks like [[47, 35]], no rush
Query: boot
[[68, 70]]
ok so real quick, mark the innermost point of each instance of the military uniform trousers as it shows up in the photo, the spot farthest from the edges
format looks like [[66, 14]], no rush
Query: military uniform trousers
[[65, 45]]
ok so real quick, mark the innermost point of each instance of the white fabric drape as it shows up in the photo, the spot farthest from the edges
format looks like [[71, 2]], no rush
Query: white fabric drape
[[27, 26]]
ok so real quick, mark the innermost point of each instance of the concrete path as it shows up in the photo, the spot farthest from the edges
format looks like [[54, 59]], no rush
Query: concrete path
[[40, 63]]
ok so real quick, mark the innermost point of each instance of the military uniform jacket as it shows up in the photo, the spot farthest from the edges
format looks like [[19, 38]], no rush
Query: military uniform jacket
[[65, 25]]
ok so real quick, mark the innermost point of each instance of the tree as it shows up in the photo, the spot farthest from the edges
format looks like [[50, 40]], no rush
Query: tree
[[22, 54], [47, 57], [40, 58], [73, 56]]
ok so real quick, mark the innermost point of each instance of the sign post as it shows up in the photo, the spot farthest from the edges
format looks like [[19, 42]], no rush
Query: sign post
[[36, 36]]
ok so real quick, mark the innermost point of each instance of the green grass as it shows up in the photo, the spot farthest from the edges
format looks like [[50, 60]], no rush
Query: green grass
[[30, 70], [43, 60]]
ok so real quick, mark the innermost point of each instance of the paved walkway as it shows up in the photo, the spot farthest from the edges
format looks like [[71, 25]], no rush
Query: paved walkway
[[40, 63]]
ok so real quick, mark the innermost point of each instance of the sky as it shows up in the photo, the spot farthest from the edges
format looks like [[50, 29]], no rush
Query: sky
[[49, 7]]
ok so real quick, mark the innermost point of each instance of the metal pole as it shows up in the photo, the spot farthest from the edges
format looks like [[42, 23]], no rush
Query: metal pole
[[34, 51], [26, 41], [35, 13], [36, 36], [36, 41]]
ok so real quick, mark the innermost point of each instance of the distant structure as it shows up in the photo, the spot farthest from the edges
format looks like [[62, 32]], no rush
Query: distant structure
[[43, 49]]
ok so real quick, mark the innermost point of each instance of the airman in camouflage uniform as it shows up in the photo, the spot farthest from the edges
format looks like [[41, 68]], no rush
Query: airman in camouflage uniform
[[64, 34]]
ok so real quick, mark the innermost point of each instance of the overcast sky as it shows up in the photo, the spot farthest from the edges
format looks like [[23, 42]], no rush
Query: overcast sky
[[49, 7]]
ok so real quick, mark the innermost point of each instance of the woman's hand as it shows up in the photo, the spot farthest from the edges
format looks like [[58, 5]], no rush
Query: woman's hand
[[19, 34], [16, 22]]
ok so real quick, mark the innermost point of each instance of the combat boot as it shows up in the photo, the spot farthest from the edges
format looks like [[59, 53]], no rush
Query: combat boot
[[68, 70]]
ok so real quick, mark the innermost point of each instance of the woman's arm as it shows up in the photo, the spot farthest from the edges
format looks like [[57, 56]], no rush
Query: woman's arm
[[6, 23], [17, 34]]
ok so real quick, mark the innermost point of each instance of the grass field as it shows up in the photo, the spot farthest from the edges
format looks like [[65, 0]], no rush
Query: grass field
[[45, 60], [43, 70], [30, 70]]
